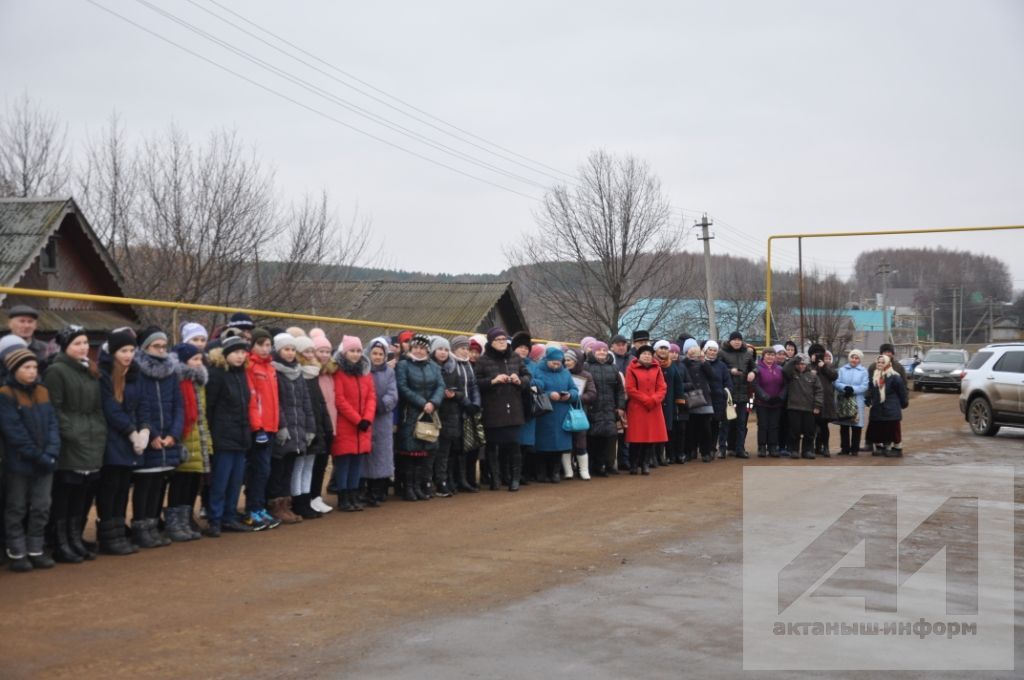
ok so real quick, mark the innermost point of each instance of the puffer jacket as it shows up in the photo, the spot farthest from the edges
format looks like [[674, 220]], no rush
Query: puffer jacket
[[227, 405], [75, 395], [610, 397], [550, 435], [123, 417], [804, 388], [896, 398], [857, 379], [419, 382], [769, 386], [827, 375], [741, 359], [295, 406], [264, 409], [165, 411], [196, 438], [719, 382], [321, 428], [355, 398], [502, 404], [29, 427], [451, 407]]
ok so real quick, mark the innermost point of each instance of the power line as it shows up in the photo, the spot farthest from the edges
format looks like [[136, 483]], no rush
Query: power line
[[307, 107]]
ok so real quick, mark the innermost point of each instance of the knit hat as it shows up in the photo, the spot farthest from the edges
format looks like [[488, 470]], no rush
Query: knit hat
[[405, 336], [67, 335], [303, 343], [858, 353], [350, 342], [688, 343], [147, 336], [673, 347], [496, 332], [479, 339], [735, 335], [185, 351], [231, 333], [644, 348], [618, 337], [190, 330], [585, 343], [295, 331], [233, 344], [816, 349], [662, 344], [598, 344], [802, 358], [437, 342], [282, 340], [536, 352], [22, 310], [571, 354], [641, 335], [459, 341], [381, 341], [778, 348], [420, 339], [710, 344], [16, 357], [120, 338], [9, 342], [320, 340], [554, 354], [241, 320], [260, 334]]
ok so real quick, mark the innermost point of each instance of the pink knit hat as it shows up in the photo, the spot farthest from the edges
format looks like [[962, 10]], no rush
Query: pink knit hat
[[320, 340], [536, 352], [350, 342]]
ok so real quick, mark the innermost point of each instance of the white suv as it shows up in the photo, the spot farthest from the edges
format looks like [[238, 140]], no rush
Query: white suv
[[992, 389]]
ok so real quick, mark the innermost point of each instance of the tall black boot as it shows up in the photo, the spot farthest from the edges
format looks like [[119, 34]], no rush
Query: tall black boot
[[409, 481], [62, 551], [515, 469], [75, 539], [112, 539], [494, 465], [421, 479]]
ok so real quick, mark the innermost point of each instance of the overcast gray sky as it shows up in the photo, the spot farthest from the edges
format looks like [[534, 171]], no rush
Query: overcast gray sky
[[770, 116]]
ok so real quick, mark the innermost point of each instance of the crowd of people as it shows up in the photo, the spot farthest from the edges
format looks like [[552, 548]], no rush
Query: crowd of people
[[177, 430]]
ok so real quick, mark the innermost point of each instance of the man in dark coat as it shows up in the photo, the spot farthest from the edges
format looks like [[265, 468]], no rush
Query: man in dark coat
[[22, 321], [739, 359]]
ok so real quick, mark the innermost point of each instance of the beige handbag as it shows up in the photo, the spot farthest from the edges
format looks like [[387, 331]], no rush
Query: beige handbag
[[428, 430], [730, 407]]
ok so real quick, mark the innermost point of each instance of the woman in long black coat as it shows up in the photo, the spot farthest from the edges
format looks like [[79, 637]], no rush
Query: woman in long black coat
[[502, 378], [606, 411]]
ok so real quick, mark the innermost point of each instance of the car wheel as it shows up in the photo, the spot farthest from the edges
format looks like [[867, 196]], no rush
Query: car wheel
[[979, 415]]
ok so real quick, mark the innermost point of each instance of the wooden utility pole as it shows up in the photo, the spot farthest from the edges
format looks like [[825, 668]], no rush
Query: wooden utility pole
[[704, 224]]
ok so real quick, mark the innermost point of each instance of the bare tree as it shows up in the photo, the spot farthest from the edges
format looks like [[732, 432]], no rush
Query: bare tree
[[108, 186], [603, 246], [33, 151]]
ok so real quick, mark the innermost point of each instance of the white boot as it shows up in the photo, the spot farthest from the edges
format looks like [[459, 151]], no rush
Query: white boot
[[584, 462], [320, 506], [567, 465]]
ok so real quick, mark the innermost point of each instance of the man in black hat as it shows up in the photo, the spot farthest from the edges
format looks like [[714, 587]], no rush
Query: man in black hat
[[22, 321]]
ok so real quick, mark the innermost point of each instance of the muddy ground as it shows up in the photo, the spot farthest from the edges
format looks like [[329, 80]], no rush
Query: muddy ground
[[620, 577]]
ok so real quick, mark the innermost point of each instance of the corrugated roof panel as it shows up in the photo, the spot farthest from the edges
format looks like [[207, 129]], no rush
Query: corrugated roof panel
[[25, 225]]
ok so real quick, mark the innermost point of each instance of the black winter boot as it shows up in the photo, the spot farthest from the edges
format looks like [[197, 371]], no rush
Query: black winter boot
[[174, 522], [515, 470], [409, 482], [762, 451], [494, 465], [75, 539], [112, 538], [141, 535], [421, 475]]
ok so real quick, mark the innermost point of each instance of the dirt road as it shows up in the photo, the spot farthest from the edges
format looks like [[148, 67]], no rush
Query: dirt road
[[416, 589]]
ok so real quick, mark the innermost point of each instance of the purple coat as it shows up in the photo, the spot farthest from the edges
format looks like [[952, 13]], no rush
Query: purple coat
[[380, 464], [769, 385]]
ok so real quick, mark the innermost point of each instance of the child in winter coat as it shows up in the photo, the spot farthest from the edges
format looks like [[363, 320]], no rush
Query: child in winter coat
[[74, 387], [31, 439], [264, 419], [186, 479], [356, 402], [302, 475], [296, 430], [804, 401], [227, 412]]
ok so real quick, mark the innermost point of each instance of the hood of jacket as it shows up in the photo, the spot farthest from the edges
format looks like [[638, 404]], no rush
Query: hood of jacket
[[157, 368], [361, 367], [197, 374]]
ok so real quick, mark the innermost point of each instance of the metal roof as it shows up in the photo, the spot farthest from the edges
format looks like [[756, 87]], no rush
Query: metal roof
[[436, 304], [25, 226]]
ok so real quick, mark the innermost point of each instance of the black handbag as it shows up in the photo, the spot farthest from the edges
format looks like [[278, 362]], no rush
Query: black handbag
[[695, 399], [541, 404]]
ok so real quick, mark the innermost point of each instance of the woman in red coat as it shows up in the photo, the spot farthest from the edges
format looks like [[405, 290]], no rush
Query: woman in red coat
[[646, 389], [356, 401]]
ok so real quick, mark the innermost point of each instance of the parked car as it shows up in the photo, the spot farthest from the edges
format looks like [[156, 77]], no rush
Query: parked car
[[992, 390], [941, 368]]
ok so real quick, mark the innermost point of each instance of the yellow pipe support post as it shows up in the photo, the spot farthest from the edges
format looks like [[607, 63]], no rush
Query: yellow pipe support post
[[836, 234], [166, 304]]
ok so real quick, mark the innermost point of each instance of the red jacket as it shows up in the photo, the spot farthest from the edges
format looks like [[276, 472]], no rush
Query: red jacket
[[646, 389], [356, 400], [264, 412]]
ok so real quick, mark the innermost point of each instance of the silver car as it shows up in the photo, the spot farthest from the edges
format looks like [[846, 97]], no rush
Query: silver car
[[941, 368], [992, 389]]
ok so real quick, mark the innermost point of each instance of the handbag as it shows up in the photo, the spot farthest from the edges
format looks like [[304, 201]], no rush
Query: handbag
[[541, 404], [695, 399], [473, 433], [846, 407], [576, 419], [730, 407], [428, 430]]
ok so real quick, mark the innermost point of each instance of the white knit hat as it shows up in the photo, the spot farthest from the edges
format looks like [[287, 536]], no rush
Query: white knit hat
[[282, 340], [190, 330]]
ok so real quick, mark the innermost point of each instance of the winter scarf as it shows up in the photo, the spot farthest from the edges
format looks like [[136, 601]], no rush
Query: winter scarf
[[156, 368], [290, 369], [879, 377], [191, 378], [362, 367]]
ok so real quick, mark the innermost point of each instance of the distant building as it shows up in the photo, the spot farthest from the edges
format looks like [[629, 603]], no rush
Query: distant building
[[1007, 329], [47, 243]]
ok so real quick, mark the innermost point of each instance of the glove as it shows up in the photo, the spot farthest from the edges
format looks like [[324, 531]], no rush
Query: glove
[[848, 391], [310, 436], [364, 425], [261, 437], [46, 462], [283, 436], [139, 440]]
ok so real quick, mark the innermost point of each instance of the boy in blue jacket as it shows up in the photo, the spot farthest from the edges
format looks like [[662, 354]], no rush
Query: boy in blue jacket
[[32, 443]]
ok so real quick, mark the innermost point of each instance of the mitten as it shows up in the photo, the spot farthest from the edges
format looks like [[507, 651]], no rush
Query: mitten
[[46, 462], [848, 391], [364, 425], [310, 436], [283, 436]]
